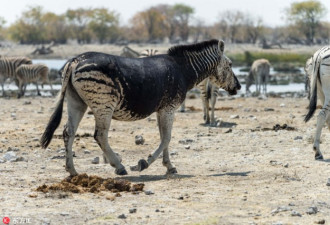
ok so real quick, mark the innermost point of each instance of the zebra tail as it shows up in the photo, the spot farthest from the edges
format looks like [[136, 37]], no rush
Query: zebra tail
[[56, 117], [313, 97]]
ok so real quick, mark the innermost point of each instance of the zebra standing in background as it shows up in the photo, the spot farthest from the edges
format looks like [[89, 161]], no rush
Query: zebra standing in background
[[148, 52], [259, 73], [209, 93], [33, 73], [8, 66]]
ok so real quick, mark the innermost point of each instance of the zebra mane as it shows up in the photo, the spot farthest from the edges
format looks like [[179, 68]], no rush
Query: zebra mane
[[180, 49]]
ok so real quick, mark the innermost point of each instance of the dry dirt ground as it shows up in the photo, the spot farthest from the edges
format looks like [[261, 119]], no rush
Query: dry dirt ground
[[242, 172]]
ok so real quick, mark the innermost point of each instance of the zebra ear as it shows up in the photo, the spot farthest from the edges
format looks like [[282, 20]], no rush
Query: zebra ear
[[221, 46]]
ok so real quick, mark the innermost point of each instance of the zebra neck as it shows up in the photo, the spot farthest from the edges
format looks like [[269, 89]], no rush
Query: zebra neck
[[203, 63]]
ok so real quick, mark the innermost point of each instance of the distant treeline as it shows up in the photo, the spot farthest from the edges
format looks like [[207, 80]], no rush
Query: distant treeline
[[167, 23]]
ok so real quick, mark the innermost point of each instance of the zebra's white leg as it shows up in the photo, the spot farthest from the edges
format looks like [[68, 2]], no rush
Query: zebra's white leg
[[213, 101], [165, 122], [183, 106], [206, 109], [102, 125], [76, 109], [321, 119], [38, 92]]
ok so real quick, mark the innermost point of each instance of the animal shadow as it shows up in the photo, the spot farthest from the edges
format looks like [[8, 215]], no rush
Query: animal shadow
[[232, 174], [150, 178]]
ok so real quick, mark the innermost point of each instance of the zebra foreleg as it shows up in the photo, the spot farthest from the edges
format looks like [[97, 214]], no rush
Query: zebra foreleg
[[165, 122], [321, 119], [38, 92], [213, 101]]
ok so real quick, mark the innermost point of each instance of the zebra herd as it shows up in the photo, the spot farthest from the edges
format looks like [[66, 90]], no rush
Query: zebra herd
[[22, 71]]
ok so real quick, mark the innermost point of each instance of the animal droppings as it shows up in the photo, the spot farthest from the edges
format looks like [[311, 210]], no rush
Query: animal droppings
[[83, 183]]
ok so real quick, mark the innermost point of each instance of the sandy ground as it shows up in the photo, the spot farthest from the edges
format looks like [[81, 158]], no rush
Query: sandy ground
[[238, 173]]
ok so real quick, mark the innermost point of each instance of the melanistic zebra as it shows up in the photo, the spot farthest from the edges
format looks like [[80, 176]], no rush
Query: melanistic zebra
[[8, 66], [32, 73], [130, 89], [318, 70], [259, 73]]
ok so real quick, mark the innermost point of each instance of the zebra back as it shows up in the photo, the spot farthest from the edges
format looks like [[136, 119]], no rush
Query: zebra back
[[8, 65], [148, 52], [32, 72]]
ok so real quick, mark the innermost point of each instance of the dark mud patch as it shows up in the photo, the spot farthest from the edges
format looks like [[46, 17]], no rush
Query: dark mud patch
[[83, 183], [276, 127]]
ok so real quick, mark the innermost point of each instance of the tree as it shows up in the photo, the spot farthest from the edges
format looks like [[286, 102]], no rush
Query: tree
[[29, 28], [104, 24], [78, 20], [232, 20], [55, 27], [182, 15], [306, 15], [152, 22], [2, 29]]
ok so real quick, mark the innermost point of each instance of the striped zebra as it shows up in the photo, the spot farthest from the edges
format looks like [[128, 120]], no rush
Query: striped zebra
[[148, 52], [8, 66], [259, 73], [130, 89], [32, 73], [318, 70]]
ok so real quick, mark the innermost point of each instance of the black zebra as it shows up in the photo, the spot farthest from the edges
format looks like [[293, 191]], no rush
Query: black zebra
[[32, 73], [129, 89], [8, 66]]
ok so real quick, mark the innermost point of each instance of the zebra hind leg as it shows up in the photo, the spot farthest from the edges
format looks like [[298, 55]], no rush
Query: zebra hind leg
[[321, 119], [76, 110], [102, 125]]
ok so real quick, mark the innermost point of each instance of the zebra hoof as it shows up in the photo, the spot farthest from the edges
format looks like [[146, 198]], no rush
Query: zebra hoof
[[318, 157], [121, 171], [143, 164], [172, 171]]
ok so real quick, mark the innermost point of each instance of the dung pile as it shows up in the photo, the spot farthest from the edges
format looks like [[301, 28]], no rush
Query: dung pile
[[84, 183]]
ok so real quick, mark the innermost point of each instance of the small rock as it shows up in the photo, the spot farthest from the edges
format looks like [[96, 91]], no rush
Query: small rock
[[13, 115], [269, 109], [133, 210], [87, 152], [286, 165], [27, 103], [19, 159], [157, 210], [96, 160], [280, 209], [149, 192], [295, 213], [322, 221], [58, 157], [328, 182], [228, 131], [312, 210], [186, 141], [64, 214], [10, 156], [10, 149], [122, 216], [298, 138], [139, 140], [234, 117], [2, 161], [187, 146], [174, 153], [282, 105]]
